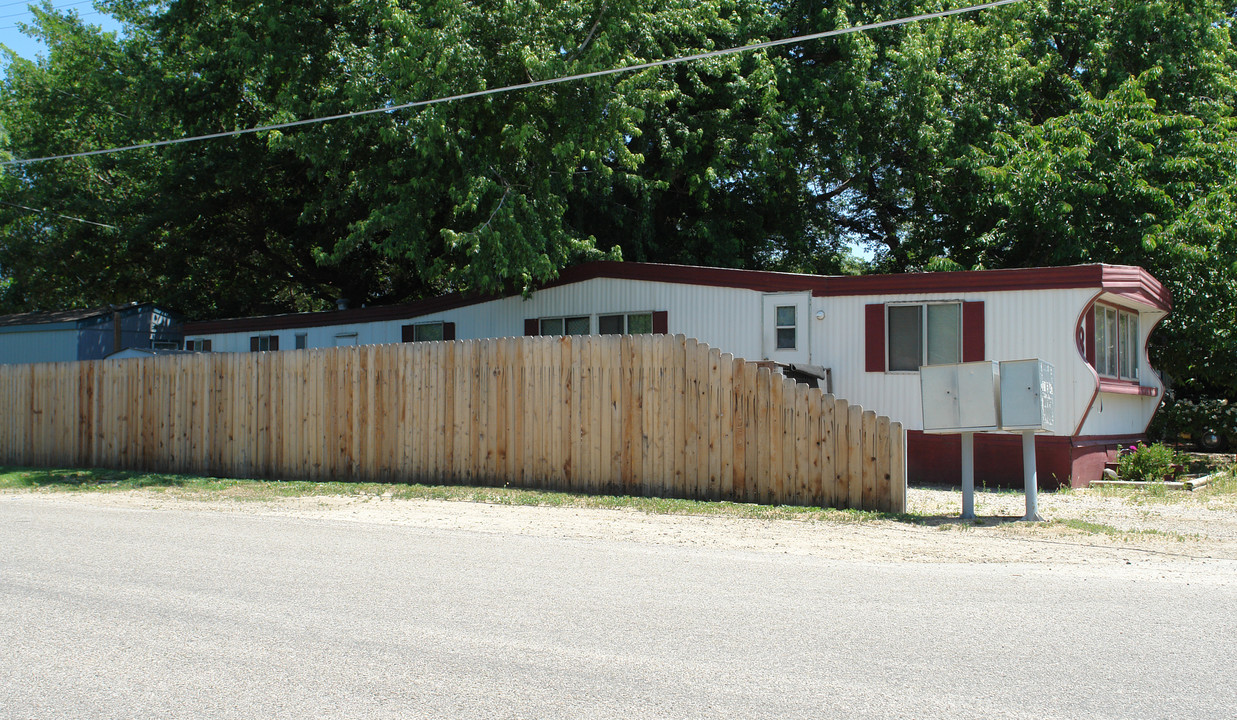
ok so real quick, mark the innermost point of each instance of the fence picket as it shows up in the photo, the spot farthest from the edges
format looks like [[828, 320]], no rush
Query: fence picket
[[854, 454], [841, 458]]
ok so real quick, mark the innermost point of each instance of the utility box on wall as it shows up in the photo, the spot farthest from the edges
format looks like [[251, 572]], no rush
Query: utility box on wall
[[960, 397], [1027, 395]]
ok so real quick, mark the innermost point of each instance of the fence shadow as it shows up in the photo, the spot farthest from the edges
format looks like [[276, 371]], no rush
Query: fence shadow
[[88, 478]]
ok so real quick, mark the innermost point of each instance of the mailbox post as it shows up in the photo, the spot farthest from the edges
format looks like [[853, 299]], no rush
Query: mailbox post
[[1027, 407]]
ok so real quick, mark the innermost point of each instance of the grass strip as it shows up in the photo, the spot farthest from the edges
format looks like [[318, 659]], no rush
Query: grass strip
[[1094, 528], [206, 489]]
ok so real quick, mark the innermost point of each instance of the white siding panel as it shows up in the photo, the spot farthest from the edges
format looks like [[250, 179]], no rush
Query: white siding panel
[[1119, 415], [727, 318], [1017, 325], [38, 346]]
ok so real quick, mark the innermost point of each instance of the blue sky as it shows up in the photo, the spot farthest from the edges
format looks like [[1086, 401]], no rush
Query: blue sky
[[14, 11]]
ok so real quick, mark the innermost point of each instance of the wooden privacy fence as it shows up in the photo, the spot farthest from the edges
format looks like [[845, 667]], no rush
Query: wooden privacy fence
[[637, 415]]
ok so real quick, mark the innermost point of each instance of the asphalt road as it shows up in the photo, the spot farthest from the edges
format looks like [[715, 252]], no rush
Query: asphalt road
[[122, 613]]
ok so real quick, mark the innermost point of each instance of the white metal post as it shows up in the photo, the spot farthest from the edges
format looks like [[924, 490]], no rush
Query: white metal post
[[1028, 476], [968, 476]]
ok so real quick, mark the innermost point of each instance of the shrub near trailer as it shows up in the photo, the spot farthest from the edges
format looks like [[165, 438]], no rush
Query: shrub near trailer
[[1149, 463]]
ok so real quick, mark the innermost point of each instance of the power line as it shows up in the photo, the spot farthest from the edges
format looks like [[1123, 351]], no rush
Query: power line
[[57, 7], [525, 86], [65, 217], [28, 3], [80, 15]]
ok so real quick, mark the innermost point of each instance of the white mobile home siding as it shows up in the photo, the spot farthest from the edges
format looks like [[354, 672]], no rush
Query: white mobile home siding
[[1017, 325], [729, 318]]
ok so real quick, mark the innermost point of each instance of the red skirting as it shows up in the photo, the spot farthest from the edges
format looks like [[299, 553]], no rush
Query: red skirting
[[937, 459]]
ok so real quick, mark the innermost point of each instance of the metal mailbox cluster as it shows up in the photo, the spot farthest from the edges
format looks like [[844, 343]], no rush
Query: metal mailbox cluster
[[987, 396]]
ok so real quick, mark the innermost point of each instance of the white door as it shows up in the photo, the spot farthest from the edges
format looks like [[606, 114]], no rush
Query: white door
[[784, 335]]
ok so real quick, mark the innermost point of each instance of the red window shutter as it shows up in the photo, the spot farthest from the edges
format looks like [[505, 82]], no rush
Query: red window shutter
[[532, 327], [448, 331], [274, 342], [253, 344], [407, 333], [874, 338], [206, 346], [973, 331], [661, 322]]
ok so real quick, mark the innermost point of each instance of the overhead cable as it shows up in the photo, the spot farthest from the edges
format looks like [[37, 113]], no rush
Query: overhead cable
[[75, 13], [54, 214], [523, 86], [57, 7]]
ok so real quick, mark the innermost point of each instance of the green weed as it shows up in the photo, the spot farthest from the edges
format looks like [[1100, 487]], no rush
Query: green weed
[[1094, 528]]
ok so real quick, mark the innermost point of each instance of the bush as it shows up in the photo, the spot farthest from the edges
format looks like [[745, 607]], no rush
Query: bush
[[1148, 463], [1210, 424]]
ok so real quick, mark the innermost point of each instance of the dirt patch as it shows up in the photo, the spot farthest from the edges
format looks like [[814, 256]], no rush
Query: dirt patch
[[1085, 527]]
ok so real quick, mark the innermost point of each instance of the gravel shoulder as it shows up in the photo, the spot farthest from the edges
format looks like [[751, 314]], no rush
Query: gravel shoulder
[[1085, 527]]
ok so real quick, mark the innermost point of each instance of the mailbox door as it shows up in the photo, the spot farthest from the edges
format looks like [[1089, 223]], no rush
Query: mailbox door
[[1022, 396], [976, 392], [941, 409], [959, 397]]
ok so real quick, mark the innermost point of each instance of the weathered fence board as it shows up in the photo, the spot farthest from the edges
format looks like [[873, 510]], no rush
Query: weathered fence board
[[640, 415]]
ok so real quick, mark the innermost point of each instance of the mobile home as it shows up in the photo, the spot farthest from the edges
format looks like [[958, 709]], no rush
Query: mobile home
[[865, 336]]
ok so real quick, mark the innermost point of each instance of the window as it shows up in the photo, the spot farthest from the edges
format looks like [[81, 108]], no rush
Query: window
[[423, 332], [345, 339], [564, 326], [656, 322], [626, 324], [923, 334], [197, 345], [1127, 344], [302, 341], [427, 332], [785, 323], [1116, 343], [263, 343]]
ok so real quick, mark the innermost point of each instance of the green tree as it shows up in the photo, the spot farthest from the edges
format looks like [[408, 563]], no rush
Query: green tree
[[1041, 133], [60, 223], [687, 163], [1134, 162]]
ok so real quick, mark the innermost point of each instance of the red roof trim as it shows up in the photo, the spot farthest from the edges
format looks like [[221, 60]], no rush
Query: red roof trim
[[1136, 284], [1123, 280], [1133, 283], [404, 311]]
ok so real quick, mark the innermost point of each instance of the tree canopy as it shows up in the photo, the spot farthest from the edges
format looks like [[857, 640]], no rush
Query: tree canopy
[[1040, 133]]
